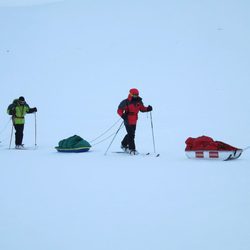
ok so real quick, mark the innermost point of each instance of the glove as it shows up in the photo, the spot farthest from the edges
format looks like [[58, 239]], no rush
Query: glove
[[150, 108], [33, 110], [124, 116]]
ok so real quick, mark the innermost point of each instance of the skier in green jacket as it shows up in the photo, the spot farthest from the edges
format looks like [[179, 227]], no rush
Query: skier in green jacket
[[18, 109]]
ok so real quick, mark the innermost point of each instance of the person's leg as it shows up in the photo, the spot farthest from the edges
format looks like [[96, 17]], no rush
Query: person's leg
[[131, 136], [124, 143], [16, 134], [19, 133]]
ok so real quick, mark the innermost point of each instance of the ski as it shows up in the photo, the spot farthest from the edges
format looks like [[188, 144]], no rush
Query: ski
[[120, 152], [155, 154], [24, 148], [141, 154], [127, 153], [19, 149]]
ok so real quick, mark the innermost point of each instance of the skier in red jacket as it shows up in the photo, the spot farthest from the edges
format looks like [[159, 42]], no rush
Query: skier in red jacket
[[128, 110]]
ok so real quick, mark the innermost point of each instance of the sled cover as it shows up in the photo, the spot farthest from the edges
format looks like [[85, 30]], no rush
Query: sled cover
[[207, 143], [73, 144]]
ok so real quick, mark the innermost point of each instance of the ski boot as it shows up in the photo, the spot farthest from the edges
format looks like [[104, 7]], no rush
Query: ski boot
[[133, 152], [125, 149]]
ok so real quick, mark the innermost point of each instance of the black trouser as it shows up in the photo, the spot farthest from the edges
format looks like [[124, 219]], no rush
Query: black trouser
[[19, 133], [129, 139]]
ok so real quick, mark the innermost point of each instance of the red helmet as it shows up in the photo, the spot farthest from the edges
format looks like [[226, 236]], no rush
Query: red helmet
[[134, 92]]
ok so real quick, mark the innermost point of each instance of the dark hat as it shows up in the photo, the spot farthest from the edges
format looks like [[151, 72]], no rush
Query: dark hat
[[21, 98]]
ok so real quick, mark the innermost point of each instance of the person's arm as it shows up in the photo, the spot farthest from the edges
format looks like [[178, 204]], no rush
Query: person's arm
[[31, 110], [122, 110], [145, 109]]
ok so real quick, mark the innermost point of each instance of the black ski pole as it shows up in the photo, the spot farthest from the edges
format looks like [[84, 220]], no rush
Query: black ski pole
[[152, 129], [11, 135], [35, 131], [113, 138]]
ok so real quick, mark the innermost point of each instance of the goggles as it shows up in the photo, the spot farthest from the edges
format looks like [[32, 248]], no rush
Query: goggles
[[134, 95]]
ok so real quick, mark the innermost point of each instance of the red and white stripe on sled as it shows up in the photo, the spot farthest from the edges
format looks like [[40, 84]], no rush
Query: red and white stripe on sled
[[214, 154]]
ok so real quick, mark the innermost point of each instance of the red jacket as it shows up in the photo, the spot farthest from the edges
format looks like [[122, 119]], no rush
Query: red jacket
[[131, 108]]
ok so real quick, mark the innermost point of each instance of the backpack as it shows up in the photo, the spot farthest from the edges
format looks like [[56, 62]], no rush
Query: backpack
[[11, 110]]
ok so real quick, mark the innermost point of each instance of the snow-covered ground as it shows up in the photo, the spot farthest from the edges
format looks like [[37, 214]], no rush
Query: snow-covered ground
[[75, 61]]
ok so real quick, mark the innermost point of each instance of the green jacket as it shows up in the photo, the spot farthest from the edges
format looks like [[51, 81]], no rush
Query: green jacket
[[18, 112]]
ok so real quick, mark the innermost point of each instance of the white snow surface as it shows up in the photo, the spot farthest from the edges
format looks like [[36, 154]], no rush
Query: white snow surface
[[75, 61]]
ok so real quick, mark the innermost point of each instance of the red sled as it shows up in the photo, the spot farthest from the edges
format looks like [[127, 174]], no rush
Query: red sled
[[205, 147]]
